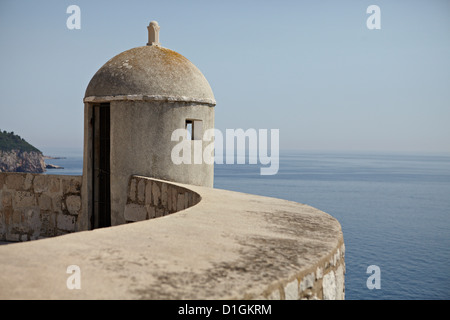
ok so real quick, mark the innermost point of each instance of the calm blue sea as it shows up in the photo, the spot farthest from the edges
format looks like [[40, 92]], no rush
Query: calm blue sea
[[394, 210]]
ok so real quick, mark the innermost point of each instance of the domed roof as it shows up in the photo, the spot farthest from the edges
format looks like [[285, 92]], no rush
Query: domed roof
[[150, 72]]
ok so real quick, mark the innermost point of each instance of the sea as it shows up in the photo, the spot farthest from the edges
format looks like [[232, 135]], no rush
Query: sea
[[394, 210]]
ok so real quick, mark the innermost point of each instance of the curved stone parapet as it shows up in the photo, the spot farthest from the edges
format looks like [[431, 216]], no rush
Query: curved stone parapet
[[230, 245], [151, 198]]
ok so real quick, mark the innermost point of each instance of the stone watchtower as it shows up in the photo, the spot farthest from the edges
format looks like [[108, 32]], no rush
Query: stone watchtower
[[132, 106]]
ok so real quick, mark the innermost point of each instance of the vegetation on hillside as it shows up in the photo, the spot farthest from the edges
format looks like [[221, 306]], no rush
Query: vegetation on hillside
[[10, 141]]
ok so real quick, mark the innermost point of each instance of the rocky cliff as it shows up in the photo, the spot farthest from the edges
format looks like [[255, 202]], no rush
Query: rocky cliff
[[17, 155], [21, 161]]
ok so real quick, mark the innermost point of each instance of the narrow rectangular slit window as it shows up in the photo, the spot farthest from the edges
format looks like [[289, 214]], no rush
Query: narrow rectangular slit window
[[194, 129], [188, 128]]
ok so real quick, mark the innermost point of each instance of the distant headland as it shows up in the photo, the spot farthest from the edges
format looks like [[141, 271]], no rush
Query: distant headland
[[17, 155]]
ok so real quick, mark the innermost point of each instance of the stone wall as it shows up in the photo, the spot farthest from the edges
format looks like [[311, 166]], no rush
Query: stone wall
[[324, 281], [230, 245], [35, 206], [150, 198]]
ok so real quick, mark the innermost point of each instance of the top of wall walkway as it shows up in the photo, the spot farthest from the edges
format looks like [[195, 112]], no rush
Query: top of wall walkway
[[229, 246]]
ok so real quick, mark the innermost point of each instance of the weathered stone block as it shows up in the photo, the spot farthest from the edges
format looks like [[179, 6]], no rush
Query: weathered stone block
[[48, 224], [141, 191], [132, 193], [135, 212], [319, 273], [186, 200], [164, 195], [329, 286], [307, 282], [291, 290], [6, 199], [148, 192], [151, 212], [23, 199], [32, 214], [340, 283], [180, 201], [159, 212], [28, 181], [54, 185], [169, 198], [31, 222], [2, 179], [12, 236], [60, 232], [2, 224], [71, 185], [190, 199], [40, 183], [73, 204], [17, 216], [156, 194], [34, 236], [57, 203], [8, 213], [174, 199], [65, 222], [335, 258], [15, 181], [274, 295], [45, 202]]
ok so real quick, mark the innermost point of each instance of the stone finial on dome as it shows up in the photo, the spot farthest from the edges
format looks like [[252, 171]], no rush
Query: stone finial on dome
[[153, 34]]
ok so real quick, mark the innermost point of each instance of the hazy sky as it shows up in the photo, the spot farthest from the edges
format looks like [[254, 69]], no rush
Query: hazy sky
[[309, 68]]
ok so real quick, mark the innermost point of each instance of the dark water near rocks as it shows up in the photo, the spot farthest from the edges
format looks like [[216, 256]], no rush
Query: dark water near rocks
[[394, 210]]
